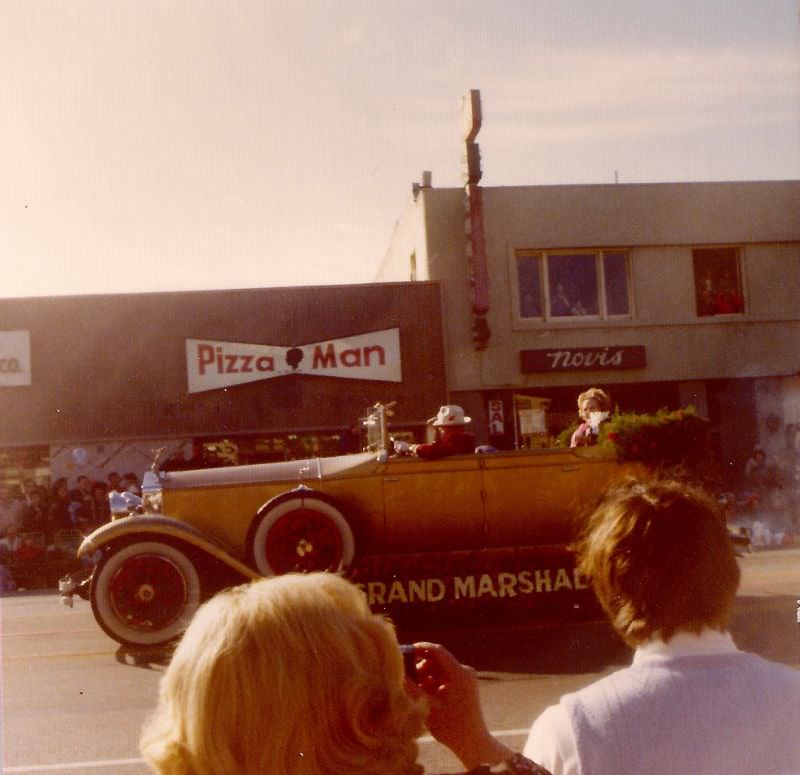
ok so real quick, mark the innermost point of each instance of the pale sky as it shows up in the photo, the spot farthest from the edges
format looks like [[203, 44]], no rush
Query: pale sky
[[206, 144]]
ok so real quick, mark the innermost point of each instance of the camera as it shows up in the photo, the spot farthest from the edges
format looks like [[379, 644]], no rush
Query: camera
[[409, 661]]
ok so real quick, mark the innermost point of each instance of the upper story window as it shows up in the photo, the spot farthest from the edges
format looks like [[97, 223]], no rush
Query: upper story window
[[717, 281], [564, 285]]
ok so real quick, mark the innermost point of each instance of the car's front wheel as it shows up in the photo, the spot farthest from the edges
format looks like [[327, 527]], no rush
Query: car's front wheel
[[145, 593], [301, 534]]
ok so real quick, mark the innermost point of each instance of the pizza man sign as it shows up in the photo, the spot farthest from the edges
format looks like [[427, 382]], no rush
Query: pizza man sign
[[211, 364]]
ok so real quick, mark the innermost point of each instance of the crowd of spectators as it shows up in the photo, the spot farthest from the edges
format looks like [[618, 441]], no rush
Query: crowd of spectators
[[41, 527], [767, 503]]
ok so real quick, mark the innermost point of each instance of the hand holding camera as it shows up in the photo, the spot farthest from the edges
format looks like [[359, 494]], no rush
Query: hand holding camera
[[455, 717]]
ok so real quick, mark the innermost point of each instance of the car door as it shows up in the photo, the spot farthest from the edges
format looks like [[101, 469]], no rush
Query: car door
[[433, 505], [538, 497]]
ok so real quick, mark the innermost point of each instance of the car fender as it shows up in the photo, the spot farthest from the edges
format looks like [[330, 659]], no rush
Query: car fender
[[301, 491], [140, 525]]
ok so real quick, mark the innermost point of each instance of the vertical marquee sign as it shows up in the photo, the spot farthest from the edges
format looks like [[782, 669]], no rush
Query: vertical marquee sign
[[471, 120]]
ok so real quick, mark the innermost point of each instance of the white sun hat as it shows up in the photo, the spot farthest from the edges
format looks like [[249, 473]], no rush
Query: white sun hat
[[450, 415]]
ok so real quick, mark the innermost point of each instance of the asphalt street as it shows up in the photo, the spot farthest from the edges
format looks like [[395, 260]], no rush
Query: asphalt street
[[73, 701]]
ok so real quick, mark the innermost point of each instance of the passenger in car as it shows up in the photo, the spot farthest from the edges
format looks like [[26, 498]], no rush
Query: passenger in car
[[451, 437], [663, 568], [594, 407], [294, 675]]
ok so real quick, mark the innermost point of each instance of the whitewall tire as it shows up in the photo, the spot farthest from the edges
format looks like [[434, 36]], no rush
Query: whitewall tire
[[145, 593], [302, 534]]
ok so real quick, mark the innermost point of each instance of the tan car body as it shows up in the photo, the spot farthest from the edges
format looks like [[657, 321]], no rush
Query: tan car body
[[423, 538], [403, 505]]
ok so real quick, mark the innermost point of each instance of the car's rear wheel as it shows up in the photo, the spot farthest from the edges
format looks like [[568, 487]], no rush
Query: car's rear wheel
[[145, 593], [302, 534]]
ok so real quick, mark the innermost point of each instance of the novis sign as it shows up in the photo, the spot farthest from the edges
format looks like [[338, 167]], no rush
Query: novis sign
[[583, 359], [211, 364]]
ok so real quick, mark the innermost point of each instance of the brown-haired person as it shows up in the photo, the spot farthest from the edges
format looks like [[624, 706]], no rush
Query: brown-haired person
[[664, 570]]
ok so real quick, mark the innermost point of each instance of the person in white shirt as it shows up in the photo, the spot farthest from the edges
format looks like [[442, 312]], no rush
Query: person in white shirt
[[664, 570]]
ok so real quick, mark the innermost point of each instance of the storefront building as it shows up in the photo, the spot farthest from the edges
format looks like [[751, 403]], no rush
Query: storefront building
[[93, 384], [664, 294]]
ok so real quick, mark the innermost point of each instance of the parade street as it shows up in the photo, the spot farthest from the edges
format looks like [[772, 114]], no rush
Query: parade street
[[73, 701]]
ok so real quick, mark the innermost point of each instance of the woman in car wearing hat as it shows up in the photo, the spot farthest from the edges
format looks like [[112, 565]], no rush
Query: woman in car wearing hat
[[451, 436]]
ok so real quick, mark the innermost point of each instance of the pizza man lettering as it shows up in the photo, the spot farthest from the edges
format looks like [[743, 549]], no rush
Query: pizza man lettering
[[221, 362], [211, 365], [214, 359], [350, 358]]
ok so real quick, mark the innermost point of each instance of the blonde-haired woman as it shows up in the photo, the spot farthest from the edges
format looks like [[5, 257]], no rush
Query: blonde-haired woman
[[294, 675], [594, 407]]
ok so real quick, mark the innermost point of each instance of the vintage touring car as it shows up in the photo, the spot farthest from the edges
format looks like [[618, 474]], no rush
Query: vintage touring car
[[471, 535]]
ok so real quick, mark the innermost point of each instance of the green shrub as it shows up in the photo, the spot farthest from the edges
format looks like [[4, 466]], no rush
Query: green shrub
[[661, 440]]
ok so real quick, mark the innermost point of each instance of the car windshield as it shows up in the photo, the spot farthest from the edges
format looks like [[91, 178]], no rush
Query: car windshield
[[375, 425]]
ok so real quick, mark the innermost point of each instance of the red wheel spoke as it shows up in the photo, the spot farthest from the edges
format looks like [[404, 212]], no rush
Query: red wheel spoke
[[304, 540], [148, 592]]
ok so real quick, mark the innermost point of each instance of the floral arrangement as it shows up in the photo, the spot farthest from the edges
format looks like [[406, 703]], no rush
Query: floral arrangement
[[664, 439]]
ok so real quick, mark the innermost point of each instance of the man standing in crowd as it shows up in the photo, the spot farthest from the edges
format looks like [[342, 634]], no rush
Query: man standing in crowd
[[82, 495], [114, 483], [664, 571], [10, 510]]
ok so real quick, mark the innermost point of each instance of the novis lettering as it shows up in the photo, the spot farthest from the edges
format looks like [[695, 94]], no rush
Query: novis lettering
[[578, 359], [583, 358]]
